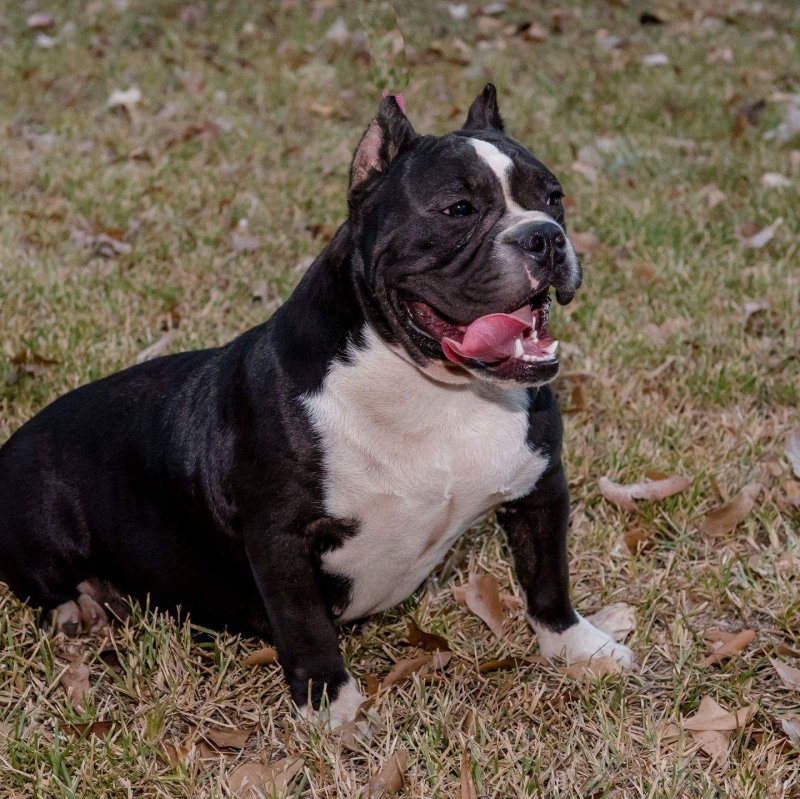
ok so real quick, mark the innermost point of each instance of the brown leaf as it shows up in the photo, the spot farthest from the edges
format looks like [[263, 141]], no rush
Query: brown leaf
[[637, 540], [579, 398], [97, 729], [177, 753], [623, 495], [226, 738], [792, 450], [725, 518], [405, 668], [468, 789], [262, 657], [789, 675], [26, 357], [586, 243], [253, 780], [75, 681], [483, 599], [748, 114], [756, 238], [389, 779], [714, 744], [790, 724], [617, 619], [713, 717], [734, 646], [514, 662], [431, 642], [588, 670]]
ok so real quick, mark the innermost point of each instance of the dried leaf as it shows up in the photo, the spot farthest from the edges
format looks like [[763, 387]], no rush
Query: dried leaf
[[514, 662], [389, 780], [748, 114], [226, 738], [468, 789], [97, 729], [157, 347], [177, 753], [623, 495], [789, 675], [254, 780], [656, 60], [431, 642], [757, 238], [714, 744], [405, 668], [262, 657], [125, 98], [637, 540], [483, 599], [586, 243], [725, 518], [713, 717], [589, 670], [790, 724], [792, 450], [617, 619], [738, 643], [39, 20], [75, 681], [243, 242], [774, 180]]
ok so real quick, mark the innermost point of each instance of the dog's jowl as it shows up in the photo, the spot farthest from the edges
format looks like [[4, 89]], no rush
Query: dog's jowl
[[316, 469]]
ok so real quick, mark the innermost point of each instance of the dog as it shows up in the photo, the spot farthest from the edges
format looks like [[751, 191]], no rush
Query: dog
[[316, 469]]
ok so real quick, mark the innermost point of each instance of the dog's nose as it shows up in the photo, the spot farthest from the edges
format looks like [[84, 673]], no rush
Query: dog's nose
[[545, 241]]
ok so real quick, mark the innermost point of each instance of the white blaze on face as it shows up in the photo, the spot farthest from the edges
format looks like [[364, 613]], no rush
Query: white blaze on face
[[501, 165]]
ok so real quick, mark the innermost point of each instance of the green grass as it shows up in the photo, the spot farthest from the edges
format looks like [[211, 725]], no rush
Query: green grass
[[227, 129]]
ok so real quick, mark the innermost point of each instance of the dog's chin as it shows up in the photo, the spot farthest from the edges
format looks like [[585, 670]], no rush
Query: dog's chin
[[441, 346]]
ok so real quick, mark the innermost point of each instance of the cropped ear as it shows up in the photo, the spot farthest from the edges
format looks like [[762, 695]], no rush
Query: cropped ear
[[388, 135], [484, 113]]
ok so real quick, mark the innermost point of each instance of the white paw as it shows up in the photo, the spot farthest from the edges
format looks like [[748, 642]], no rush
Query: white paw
[[581, 641], [336, 712]]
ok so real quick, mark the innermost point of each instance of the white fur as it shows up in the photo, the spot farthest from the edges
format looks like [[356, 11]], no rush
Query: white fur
[[581, 641], [340, 710], [501, 165], [415, 463]]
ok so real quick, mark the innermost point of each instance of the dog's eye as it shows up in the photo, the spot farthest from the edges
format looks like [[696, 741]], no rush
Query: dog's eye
[[555, 197], [461, 208]]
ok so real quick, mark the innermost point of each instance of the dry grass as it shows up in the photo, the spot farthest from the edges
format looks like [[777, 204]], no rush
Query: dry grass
[[227, 129]]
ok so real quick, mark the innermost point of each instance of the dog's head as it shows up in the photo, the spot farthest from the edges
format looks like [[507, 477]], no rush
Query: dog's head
[[458, 240]]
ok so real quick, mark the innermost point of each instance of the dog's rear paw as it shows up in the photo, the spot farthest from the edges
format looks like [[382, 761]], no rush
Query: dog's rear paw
[[581, 641], [339, 710], [81, 616]]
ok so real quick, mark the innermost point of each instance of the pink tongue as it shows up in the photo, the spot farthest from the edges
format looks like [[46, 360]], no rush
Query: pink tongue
[[490, 338]]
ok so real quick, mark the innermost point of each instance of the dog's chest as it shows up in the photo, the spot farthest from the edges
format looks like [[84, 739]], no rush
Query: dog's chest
[[414, 463]]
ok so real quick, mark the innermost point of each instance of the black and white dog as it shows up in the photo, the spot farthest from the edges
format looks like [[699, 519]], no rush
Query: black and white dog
[[317, 468]]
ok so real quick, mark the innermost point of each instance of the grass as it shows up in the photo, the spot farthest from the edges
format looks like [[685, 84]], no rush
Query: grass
[[250, 112]]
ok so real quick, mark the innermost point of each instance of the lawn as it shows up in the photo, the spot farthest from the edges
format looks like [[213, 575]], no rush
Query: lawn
[[183, 211]]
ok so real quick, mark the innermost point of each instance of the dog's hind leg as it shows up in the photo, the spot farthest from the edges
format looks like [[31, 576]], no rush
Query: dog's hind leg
[[96, 603]]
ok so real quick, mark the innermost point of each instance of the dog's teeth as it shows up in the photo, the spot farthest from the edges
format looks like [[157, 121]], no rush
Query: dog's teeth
[[518, 351], [533, 321], [551, 347]]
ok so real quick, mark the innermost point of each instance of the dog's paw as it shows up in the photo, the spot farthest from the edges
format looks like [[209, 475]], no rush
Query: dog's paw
[[340, 709], [581, 641]]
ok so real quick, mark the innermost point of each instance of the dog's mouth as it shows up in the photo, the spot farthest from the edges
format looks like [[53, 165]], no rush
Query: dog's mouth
[[516, 345]]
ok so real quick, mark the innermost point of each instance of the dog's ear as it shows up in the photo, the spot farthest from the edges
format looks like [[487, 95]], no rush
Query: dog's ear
[[388, 135], [484, 113]]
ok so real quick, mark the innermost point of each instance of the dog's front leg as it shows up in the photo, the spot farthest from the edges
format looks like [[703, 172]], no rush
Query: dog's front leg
[[302, 629], [536, 526]]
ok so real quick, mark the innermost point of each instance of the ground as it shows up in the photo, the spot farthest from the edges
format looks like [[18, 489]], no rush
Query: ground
[[121, 228]]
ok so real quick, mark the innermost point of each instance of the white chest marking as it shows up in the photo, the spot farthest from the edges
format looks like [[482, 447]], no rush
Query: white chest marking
[[415, 463]]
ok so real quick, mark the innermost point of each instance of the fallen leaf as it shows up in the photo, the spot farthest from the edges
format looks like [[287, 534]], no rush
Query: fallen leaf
[[720, 55], [756, 238], [104, 243], [623, 495], [617, 619], [226, 738], [586, 243], [431, 642], [733, 646], [774, 180], [389, 779], [712, 717], [748, 114], [514, 662], [588, 670], [405, 668], [262, 657], [75, 681], [792, 451], [790, 125], [714, 744], [254, 780], [97, 729], [790, 724], [789, 675], [792, 491], [727, 517], [637, 540], [177, 753], [533, 33], [483, 599], [656, 60], [39, 20], [468, 789], [243, 242]]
